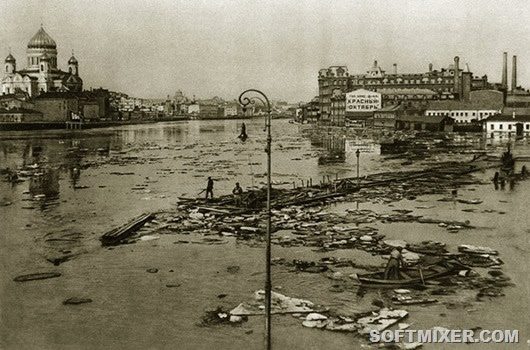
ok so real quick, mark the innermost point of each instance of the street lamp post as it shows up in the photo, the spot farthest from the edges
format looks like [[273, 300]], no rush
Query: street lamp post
[[358, 153], [245, 99]]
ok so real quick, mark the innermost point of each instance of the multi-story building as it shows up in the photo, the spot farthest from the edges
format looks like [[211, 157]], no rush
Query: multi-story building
[[56, 106], [205, 110], [231, 110], [338, 109], [414, 98], [309, 112], [398, 87], [209, 111], [61, 106], [334, 78]]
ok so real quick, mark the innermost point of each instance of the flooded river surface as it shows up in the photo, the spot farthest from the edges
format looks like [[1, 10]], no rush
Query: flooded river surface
[[92, 181]]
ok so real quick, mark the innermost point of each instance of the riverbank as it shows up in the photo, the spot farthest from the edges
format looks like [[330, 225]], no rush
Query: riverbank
[[35, 126]]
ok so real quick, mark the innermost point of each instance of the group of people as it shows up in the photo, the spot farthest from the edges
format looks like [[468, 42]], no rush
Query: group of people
[[237, 191]]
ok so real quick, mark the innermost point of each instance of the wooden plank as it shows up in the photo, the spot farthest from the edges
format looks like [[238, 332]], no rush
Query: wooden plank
[[215, 210], [117, 235]]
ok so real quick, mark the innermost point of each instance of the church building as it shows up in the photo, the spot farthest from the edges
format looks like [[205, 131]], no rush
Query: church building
[[41, 73]]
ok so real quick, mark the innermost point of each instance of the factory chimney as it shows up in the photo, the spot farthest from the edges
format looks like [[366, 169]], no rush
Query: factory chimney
[[395, 68], [514, 73], [430, 67], [504, 83], [456, 86]]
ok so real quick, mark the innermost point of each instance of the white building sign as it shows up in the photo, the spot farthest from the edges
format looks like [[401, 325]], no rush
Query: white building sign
[[363, 101]]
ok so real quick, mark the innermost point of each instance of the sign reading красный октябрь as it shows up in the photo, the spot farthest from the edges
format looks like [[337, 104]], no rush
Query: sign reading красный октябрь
[[362, 101]]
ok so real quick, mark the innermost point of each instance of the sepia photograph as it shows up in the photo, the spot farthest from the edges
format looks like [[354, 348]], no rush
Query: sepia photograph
[[264, 174]]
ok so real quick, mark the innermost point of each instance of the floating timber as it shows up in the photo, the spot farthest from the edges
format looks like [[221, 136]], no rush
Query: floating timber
[[36, 276], [117, 235], [333, 189]]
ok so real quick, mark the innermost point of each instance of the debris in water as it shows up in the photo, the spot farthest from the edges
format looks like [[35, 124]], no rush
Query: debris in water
[[76, 301], [36, 276]]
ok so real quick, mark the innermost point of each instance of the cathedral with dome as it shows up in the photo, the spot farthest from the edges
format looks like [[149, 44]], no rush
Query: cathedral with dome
[[41, 73]]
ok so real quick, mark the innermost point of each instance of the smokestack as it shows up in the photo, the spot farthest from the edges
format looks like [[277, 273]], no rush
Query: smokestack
[[456, 86], [504, 83], [395, 68], [430, 67], [514, 73], [466, 86]]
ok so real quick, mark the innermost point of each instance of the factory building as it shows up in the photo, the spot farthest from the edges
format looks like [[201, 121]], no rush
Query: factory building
[[413, 89]]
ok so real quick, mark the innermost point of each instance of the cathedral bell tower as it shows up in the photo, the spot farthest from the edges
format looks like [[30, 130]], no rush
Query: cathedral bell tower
[[10, 64], [73, 65]]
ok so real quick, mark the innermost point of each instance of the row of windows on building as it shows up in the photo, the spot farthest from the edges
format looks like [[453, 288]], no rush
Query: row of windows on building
[[339, 74], [390, 82], [411, 97], [397, 97], [403, 81], [10, 118], [492, 127], [334, 82], [492, 135], [462, 114], [33, 61]]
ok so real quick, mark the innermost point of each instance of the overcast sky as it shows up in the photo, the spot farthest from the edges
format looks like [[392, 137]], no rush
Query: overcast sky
[[152, 48]]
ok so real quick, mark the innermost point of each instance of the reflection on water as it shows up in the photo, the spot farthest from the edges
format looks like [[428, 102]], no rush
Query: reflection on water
[[45, 183], [71, 153]]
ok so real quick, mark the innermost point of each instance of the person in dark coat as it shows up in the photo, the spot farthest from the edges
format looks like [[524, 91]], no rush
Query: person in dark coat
[[395, 263], [209, 188]]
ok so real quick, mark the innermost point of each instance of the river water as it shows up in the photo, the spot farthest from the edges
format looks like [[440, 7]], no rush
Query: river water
[[91, 181]]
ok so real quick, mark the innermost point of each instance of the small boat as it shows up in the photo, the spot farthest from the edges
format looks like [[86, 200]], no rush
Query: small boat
[[411, 276]]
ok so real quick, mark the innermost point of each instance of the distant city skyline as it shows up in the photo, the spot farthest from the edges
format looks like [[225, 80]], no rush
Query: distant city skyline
[[219, 48]]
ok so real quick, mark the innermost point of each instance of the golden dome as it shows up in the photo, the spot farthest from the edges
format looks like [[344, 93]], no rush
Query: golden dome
[[42, 40]]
